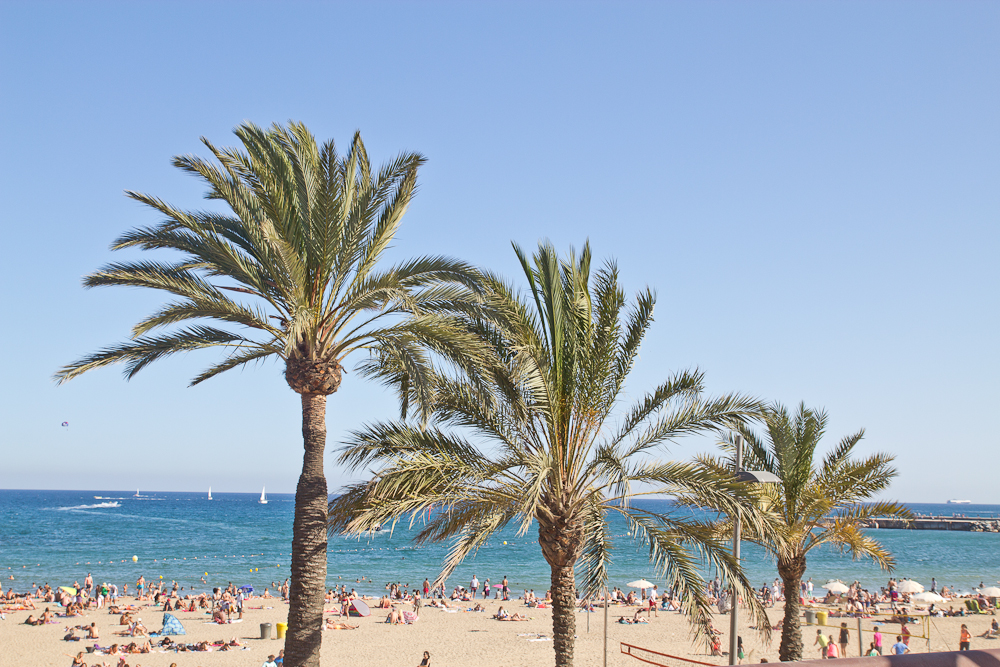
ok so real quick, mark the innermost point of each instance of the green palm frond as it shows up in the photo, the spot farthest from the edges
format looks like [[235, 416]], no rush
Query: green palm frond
[[294, 262]]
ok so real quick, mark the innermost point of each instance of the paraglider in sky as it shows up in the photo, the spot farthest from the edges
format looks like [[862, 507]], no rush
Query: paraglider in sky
[[65, 424]]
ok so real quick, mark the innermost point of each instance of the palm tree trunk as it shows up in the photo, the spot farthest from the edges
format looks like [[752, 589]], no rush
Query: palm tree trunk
[[560, 539], [305, 611], [563, 587], [791, 570]]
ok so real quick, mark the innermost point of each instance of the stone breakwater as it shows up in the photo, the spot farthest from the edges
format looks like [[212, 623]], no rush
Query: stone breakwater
[[968, 524]]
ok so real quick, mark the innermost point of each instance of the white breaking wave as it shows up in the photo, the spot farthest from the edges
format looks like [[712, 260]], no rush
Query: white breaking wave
[[88, 507]]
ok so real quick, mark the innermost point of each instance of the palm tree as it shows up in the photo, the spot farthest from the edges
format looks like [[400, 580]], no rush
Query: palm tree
[[291, 268], [816, 502], [540, 440]]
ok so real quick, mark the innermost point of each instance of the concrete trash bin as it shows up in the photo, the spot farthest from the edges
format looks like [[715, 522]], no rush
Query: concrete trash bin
[[265, 630], [810, 617], [281, 630]]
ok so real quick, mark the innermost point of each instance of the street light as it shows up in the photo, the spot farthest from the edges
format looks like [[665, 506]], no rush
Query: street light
[[759, 477]]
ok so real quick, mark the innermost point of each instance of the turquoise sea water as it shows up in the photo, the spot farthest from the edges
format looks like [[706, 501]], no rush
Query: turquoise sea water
[[60, 536]]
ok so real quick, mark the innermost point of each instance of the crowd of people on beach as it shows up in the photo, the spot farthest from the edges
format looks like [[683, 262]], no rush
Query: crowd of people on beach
[[226, 605]]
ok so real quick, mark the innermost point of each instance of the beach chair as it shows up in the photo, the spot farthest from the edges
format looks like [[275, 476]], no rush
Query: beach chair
[[410, 617]]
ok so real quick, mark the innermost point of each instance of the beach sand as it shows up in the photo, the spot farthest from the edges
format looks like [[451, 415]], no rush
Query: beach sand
[[462, 638]]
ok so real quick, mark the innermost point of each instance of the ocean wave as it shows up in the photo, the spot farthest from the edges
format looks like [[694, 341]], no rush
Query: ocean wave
[[88, 507]]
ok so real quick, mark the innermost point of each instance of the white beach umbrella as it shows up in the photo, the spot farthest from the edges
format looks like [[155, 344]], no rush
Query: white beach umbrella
[[928, 597], [639, 583], [836, 587], [990, 592], [909, 586]]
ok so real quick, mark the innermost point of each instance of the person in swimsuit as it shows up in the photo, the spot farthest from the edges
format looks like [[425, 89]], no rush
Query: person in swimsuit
[[964, 638], [426, 662]]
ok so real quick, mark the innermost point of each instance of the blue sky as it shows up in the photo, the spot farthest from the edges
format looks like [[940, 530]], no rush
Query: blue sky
[[811, 188]]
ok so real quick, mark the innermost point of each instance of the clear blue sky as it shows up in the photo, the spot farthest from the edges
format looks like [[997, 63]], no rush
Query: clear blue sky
[[811, 188]]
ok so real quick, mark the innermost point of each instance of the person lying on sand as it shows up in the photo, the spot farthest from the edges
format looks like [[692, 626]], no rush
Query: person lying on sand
[[331, 625], [71, 636], [518, 617]]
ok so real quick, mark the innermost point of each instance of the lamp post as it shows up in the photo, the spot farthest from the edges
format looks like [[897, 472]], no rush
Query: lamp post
[[761, 477]]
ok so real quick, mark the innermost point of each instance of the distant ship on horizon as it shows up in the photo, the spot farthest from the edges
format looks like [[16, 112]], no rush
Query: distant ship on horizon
[[959, 502]]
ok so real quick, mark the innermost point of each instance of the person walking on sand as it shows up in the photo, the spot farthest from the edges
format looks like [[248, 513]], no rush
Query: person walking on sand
[[831, 649], [474, 586], [899, 648], [877, 637], [964, 638], [845, 638], [822, 642]]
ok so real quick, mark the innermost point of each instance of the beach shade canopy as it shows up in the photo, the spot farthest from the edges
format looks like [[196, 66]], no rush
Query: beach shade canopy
[[928, 597], [836, 586], [68, 589], [497, 585], [909, 586], [358, 608], [639, 583], [247, 590], [990, 591], [171, 626]]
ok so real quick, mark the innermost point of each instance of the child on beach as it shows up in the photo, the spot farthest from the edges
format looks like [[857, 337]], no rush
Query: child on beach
[[964, 638], [822, 642]]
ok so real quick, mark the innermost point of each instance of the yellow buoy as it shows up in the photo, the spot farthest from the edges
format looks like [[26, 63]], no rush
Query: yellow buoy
[[505, 544], [135, 559]]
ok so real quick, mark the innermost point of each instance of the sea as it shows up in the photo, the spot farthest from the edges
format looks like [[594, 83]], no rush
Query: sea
[[58, 537]]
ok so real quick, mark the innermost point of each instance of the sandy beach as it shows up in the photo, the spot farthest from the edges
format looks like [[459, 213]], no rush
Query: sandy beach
[[460, 638]]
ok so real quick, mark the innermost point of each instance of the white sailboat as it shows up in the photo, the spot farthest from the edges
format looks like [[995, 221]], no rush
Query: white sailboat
[[209, 493], [263, 497]]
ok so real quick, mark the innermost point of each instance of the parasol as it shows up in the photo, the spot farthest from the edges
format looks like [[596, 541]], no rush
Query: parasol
[[836, 586]]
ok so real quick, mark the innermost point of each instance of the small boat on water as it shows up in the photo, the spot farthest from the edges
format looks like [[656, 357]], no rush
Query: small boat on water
[[263, 497], [137, 494], [959, 502], [209, 493]]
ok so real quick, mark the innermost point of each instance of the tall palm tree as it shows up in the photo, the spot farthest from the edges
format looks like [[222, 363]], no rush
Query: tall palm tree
[[540, 440], [817, 502], [291, 268]]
